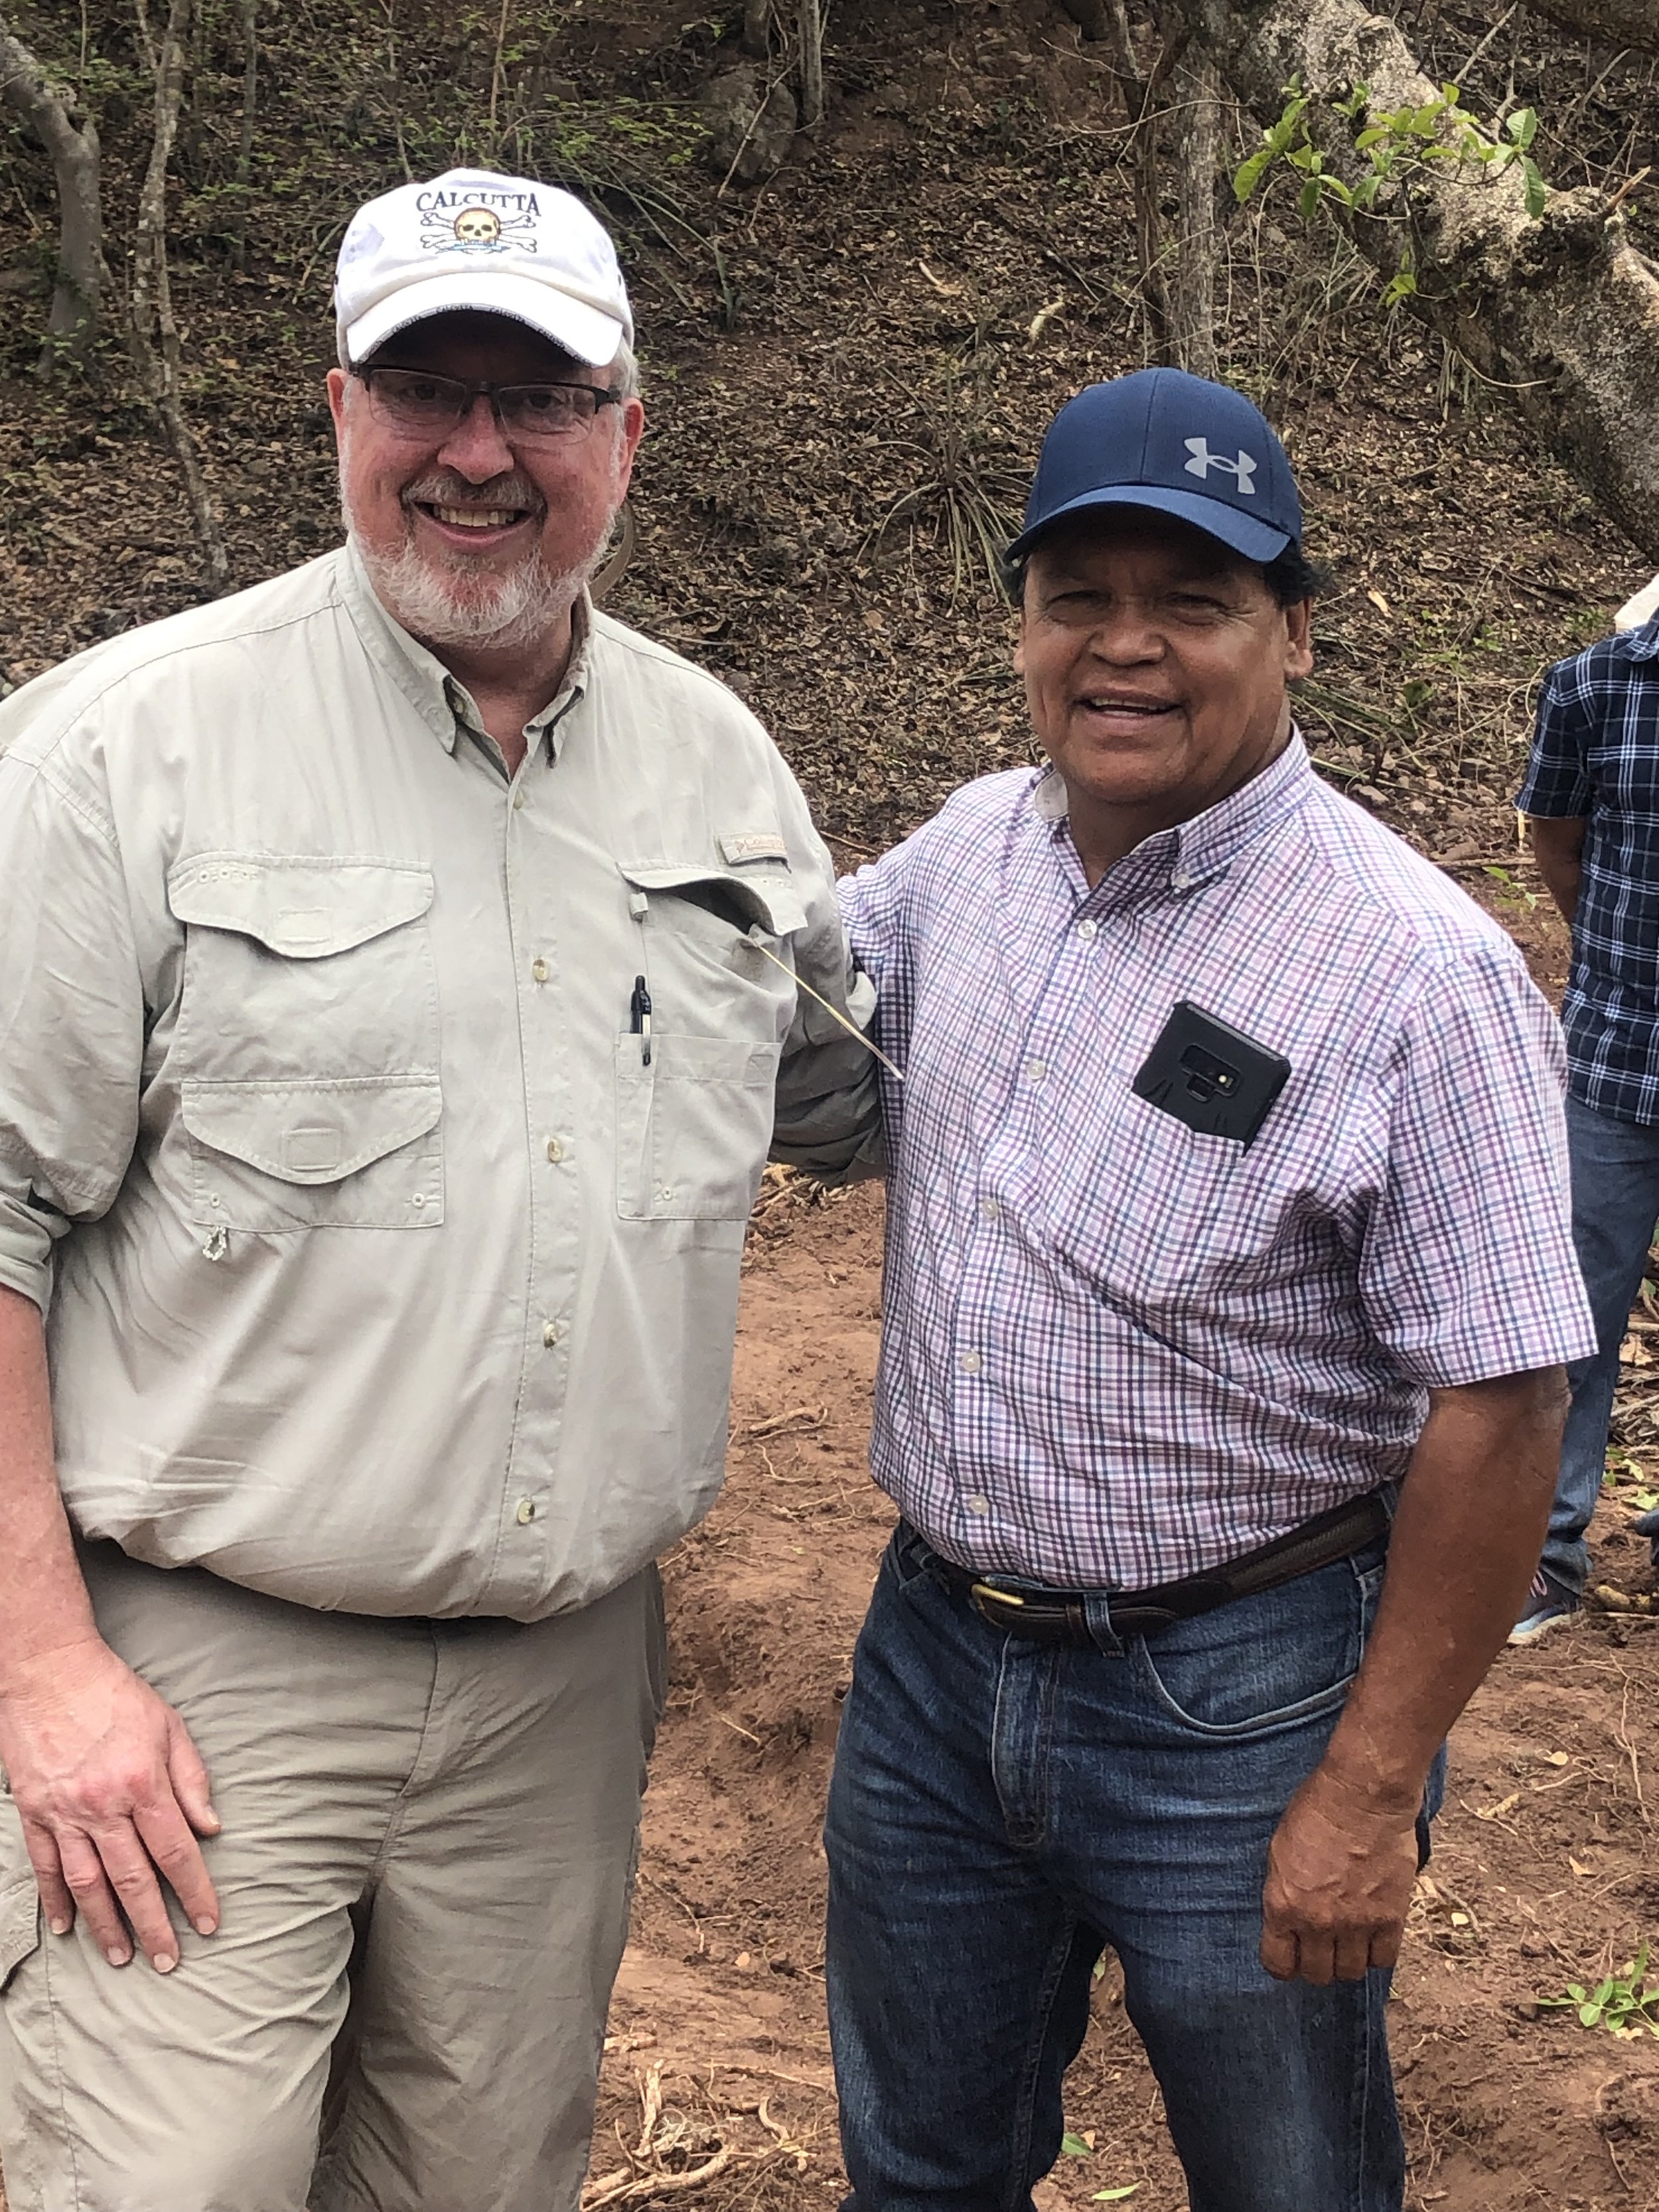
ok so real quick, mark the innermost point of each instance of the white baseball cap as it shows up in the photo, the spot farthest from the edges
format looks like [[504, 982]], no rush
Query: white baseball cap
[[470, 239]]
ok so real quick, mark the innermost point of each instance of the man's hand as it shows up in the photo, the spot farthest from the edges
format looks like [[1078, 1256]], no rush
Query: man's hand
[[1467, 1536], [1339, 1877], [112, 1796]]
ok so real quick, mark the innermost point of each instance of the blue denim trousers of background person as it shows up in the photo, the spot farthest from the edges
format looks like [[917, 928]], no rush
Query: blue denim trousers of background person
[[1615, 1204], [1001, 1810]]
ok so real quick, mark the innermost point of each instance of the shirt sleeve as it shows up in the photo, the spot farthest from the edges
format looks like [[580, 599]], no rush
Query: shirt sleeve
[[827, 1117], [71, 1021], [1468, 1270], [1557, 784]]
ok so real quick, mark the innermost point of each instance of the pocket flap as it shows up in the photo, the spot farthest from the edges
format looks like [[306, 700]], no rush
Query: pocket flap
[[312, 1133], [20, 1926], [767, 895], [302, 908]]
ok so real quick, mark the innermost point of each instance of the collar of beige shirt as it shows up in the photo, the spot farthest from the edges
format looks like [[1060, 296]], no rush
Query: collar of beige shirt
[[444, 702]]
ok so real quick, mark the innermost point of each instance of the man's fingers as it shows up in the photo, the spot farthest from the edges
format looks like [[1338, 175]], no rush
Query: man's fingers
[[1353, 1955], [1385, 1945], [132, 1875], [166, 1837], [1278, 1951], [94, 1900], [55, 1900], [1316, 1958], [189, 1777]]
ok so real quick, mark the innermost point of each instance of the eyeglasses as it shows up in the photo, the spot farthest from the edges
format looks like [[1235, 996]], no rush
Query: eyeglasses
[[420, 405]]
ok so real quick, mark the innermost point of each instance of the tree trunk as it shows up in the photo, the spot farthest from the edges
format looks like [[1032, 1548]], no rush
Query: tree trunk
[[245, 143], [1140, 86], [756, 16], [1558, 309], [1198, 164], [154, 332], [81, 270], [1613, 22], [810, 21]]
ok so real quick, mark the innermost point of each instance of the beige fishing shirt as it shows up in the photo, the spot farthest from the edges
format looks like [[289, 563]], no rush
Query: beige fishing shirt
[[387, 1265]]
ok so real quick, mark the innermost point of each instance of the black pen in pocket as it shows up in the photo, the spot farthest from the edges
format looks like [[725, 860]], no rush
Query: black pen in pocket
[[639, 1018]]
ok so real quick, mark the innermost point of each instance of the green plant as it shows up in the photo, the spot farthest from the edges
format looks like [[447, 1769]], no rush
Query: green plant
[[1394, 146], [1626, 1480], [1510, 893], [1624, 2003]]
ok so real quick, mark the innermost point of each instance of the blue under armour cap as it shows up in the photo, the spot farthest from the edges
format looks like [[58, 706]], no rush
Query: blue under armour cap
[[1174, 443]]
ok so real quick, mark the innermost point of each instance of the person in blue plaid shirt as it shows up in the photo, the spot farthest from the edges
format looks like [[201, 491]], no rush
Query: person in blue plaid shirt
[[1592, 797], [1229, 1286]]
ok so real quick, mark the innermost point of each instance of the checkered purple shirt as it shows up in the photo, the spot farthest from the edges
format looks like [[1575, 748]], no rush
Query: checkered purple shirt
[[1117, 1352]]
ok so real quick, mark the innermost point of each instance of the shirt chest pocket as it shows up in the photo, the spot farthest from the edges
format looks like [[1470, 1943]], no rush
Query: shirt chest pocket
[[307, 1047], [695, 1100]]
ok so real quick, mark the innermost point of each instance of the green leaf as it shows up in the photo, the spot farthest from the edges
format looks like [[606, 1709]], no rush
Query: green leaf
[[1522, 126], [1373, 137], [1249, 173], [1308, 199], [1588, 2014], [1072, 2146], [1365, 192], [1114, 2195], [1537, 190]]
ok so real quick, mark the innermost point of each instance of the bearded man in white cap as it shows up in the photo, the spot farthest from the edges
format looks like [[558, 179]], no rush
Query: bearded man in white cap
[[398, 981]]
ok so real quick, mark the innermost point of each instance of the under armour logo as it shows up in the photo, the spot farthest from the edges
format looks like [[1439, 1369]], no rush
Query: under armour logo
[[1203, 460]]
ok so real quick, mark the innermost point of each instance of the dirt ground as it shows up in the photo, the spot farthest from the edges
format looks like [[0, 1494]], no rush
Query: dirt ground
[[1544, 1870]]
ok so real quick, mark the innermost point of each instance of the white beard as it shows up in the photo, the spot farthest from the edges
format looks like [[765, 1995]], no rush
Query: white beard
[[464, 606]]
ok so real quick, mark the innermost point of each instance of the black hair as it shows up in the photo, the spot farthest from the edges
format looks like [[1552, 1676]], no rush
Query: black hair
[[1291, 576]]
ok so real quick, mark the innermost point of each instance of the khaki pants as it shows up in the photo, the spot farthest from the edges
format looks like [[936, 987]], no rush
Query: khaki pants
[[449, 1810]]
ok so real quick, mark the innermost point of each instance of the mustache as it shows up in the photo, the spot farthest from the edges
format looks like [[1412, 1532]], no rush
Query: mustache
[[443, 487]]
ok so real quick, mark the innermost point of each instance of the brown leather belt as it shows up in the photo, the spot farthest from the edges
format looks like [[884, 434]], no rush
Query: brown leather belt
[[1055, 1616]]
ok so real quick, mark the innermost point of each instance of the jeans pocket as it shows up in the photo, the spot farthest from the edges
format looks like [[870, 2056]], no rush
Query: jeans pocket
[[1271, 1661]]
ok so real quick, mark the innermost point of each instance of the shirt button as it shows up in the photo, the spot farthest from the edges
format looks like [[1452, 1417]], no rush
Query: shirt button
[[518, 802], [419, 1199], [1036, 1070], [556, 1150], [550, 1334], [978, 1505], [538, 969], [989, 1210], [970, 1363], [1179, 880], [526, 1512], [1086, 930]]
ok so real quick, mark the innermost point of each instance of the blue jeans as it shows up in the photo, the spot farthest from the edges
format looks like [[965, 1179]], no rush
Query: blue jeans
[[1000, 1810], [1615, 1203]]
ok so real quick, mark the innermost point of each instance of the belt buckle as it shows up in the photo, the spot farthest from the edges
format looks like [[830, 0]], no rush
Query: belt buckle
[[984, 1596]]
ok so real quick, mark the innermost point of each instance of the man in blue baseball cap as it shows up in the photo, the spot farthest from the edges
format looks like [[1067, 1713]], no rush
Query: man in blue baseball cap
[[1229, 1286]]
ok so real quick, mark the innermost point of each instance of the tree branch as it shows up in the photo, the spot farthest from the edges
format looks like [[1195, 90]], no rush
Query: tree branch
[[82, 272], [154, 331], [1560, 308]]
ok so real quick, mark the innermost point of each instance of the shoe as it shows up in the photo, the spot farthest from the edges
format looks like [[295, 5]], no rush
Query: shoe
[[1648, 1526], [1549, 1605]]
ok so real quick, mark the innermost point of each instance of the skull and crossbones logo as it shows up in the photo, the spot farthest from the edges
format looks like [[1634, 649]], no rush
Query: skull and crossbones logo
[[477, 227], [461, 222]]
